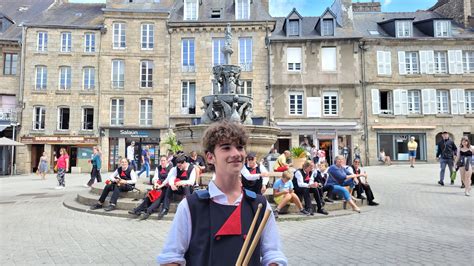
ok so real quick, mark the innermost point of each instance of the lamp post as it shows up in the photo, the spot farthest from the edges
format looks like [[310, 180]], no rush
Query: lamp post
[[12, 165]]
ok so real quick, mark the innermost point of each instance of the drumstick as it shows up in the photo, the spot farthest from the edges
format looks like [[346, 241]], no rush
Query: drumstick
[[249, 236], [256, 239]]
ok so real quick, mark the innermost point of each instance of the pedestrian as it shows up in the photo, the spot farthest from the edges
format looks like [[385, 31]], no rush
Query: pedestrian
[[445, 154], [43, 166], [464, 162], [195, 238], [145, 162], [131, 155], [314, 154], [384, 158], [412, 146], [281, 164], [96, 162], [62, 164]]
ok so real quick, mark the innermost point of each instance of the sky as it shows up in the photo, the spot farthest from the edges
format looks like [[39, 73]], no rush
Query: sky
[[281, 8]]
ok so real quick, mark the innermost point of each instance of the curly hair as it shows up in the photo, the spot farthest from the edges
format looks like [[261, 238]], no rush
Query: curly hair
[[224, 132]]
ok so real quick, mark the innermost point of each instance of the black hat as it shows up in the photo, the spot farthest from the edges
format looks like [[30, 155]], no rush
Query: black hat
[[251, 154], [444, 132]]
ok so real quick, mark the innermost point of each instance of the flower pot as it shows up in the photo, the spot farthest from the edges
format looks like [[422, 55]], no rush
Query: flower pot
[[298, 162]]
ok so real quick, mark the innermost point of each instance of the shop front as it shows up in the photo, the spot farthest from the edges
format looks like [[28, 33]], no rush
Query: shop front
[[395, 145]]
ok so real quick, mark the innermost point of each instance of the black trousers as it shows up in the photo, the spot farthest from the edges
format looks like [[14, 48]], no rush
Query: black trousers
[[359, 188], [304, 192], [149, 206], [186, 190], [95, 174], [116, 189], [317, 194], [328, 189]]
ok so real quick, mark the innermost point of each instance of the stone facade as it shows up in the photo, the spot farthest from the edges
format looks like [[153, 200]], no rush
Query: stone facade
[[459, 10]]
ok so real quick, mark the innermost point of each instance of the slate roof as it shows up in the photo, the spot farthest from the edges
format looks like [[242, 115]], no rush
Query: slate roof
[[72, 15]]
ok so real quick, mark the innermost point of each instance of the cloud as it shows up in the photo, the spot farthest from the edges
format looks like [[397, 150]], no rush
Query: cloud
[[387, 2]]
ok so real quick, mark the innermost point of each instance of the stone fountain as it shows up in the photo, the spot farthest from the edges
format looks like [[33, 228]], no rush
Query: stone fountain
[[227, 102]]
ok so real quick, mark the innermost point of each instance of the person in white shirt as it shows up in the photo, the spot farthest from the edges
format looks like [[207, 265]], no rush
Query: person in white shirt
[[254, 175], [131, 155], [195, 238]]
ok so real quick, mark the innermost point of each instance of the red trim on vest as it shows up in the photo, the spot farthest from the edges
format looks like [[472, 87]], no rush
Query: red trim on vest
[[123, 173], [184, 174], [233, 224], [253, 171]]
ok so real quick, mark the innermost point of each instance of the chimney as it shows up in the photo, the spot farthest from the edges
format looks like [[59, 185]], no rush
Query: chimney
[[343, 11], [266, 6], [367, 7]]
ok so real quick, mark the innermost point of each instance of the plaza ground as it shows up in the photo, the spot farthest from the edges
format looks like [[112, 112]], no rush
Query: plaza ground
[[417, 222]]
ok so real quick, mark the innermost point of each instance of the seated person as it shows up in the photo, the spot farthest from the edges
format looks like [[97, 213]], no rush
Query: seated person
[[181, 178], [122, 180], [283, 194], [280, 164], [339, 177], [154, 198], [254, 175], [304, 185], [199, 166], [362, 184], [321, 176], [384, 158]]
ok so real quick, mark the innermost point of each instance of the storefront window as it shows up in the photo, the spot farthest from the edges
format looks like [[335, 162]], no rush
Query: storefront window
[[396, 145]]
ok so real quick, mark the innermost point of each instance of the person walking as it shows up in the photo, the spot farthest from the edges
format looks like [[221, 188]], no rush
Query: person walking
[[145, 162], [131, 155], [63, 165], [464, 162], [412, 146], [43, 166], [96, 165], [445, 154]]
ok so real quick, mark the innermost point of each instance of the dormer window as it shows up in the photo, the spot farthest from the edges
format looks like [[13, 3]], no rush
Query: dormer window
[[190, 9], [215, 13], [404, 28], [442, 28], [327, 28], [293, 27], [242, 9]]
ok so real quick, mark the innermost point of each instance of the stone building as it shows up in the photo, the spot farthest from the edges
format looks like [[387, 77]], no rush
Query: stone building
[[418, 80], [461, 11], [315, 73]]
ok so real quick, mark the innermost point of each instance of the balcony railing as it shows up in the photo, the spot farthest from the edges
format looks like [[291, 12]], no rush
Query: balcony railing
[[8, 114]]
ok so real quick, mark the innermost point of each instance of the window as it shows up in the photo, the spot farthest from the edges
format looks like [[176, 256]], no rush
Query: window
[[146, 74], [146, 110], [404, 28], [39, 114], [10, 63], [116, 112], [381, 102], [442, 28], [296, 103], [88, 75], [330, 100], [42, 44], [384, 63], [414, 102], [245, 54], [41, 77], [469, 98], [147, 36], [468, 61], [242, 9], [190, 9], [218, 55], [411, 63], [89, 42], [327, 27], [187, 50], [118, 73], [215, 13], [293, 27], [87, 118], [65, 42], [293, 57], [63, 118], [442, 101], [440, 62], [188, 97], [119, 35], [65, 78], [328, 62], [247, 87]]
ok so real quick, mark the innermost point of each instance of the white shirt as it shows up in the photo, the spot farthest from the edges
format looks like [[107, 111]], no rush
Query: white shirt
[[180, 233], [172, 176], [300, 180], [157, 175], [130, 153], [133, 176], [252, 177]]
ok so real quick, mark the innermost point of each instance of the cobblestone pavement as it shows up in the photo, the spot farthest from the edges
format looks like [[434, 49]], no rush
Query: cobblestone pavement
[[417, 222]]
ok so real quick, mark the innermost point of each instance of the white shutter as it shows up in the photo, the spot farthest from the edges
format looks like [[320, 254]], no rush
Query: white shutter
[[454, 101], [433, 108], [375, 102], [404, 102], [455, 61], [425, 99], [380, 63], [401, 63], [458, 54], [397, 110], [293, 55], [430, 62], [388, 63], [461, 101], [423, 62]]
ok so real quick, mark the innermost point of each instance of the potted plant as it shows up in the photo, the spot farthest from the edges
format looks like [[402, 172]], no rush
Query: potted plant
[[299, 156], [172, 142]]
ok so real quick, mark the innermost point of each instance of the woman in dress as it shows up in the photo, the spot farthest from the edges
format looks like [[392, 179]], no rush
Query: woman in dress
[[464, 162], [63, 165], [43, 166]]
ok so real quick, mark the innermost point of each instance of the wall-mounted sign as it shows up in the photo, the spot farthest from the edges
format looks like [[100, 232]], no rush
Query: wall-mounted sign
[[134, 133], [313, 106], [59, 140]]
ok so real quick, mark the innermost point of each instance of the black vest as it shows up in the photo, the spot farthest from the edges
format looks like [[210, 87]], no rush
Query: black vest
[[355, 171], [163, 172], [303, 174], [207, 217], [253, 185], [126, 175], [184, 175]]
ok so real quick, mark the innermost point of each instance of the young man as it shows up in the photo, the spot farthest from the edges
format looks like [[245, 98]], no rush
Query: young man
[[304, 185], [254, 175], [131, 155], [195, 238], [122, 180], [445, 155], [145, 162]]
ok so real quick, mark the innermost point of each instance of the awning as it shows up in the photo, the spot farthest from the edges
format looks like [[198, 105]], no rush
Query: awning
[[316, 125], [404, 127], [2, 127], [8, 142]]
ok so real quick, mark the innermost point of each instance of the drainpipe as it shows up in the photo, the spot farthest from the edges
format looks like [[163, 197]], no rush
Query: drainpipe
[[364, 100], [269, 85], [102, 31]]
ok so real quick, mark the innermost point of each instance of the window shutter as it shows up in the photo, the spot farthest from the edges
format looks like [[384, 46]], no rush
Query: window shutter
[[430, 61], [425, 99], [454, 101], [458, 54], [293, 55], [404, 101], [375, 102], [455, 61], [397, 110], [380, 62], [461, 101], [401, 63], [423, 62], [433, 101], [388, 63]]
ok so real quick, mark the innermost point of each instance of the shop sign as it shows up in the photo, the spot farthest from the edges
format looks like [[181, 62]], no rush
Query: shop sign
[[402, 138], [134, 133], [325, 135], [59, 140]]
